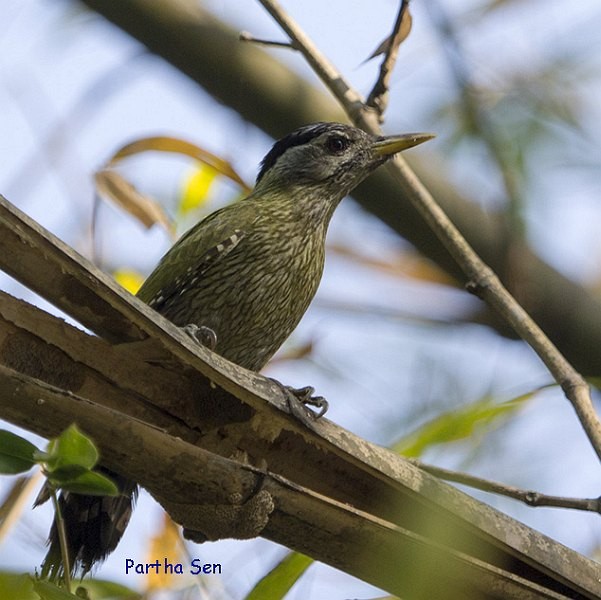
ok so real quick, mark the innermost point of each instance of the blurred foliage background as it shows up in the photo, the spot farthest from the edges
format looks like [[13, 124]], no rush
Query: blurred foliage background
[[511, 89]]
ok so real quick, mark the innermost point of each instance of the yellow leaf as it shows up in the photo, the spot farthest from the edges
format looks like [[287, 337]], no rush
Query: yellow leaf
[[165, 545], [179, 146], [112, 185], [130, 280], [196, 188]]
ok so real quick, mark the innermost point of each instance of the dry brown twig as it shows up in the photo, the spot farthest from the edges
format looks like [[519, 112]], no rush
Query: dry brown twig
[[481, 280], [378, 97]]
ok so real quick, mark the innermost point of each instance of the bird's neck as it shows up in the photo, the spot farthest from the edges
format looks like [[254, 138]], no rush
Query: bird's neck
[[302, 204]]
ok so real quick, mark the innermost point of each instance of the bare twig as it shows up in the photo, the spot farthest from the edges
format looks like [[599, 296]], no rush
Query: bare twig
[[62, 537], [482, 281], [245, 36], [378, 97], [349, 98], [529, 497]]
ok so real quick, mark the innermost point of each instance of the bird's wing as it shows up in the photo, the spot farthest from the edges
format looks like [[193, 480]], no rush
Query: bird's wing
[[203, 246]]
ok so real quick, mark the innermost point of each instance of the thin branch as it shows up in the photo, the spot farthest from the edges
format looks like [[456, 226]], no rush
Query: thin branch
[[528, 497], [482, 281], [62, 537], [378, 97], [245, 36], [349, 98]]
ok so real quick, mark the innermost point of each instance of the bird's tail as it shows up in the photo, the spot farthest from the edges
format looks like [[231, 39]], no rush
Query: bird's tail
[[94, 526]]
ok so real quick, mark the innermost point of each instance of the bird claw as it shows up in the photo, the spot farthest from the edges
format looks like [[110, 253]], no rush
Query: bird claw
[[204, 336], [298, 400], [306, 397]]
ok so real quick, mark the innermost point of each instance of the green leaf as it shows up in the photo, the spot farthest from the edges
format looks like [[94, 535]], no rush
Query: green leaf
[[278, 582], [71, 449], [458, 424], [17, 586], [66, 474], [99, 589], [50, 591], [90, 483], [16, 453]]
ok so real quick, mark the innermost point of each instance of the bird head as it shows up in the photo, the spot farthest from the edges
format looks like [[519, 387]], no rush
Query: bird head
[[330, 157]]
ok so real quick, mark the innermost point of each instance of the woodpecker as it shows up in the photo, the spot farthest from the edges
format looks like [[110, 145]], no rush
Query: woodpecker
[[240, 280]]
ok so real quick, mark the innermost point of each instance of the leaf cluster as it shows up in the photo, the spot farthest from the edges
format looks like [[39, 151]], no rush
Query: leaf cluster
[[67, 462]]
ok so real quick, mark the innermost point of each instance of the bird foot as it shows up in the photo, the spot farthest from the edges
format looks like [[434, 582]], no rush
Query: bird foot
[[204, 336], [298, 400], [306, 397]]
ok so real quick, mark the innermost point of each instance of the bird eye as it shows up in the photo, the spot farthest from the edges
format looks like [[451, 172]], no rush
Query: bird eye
[[337, 144]]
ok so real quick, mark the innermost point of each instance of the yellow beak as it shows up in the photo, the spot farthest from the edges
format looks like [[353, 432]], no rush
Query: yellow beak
[[389, 145]]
